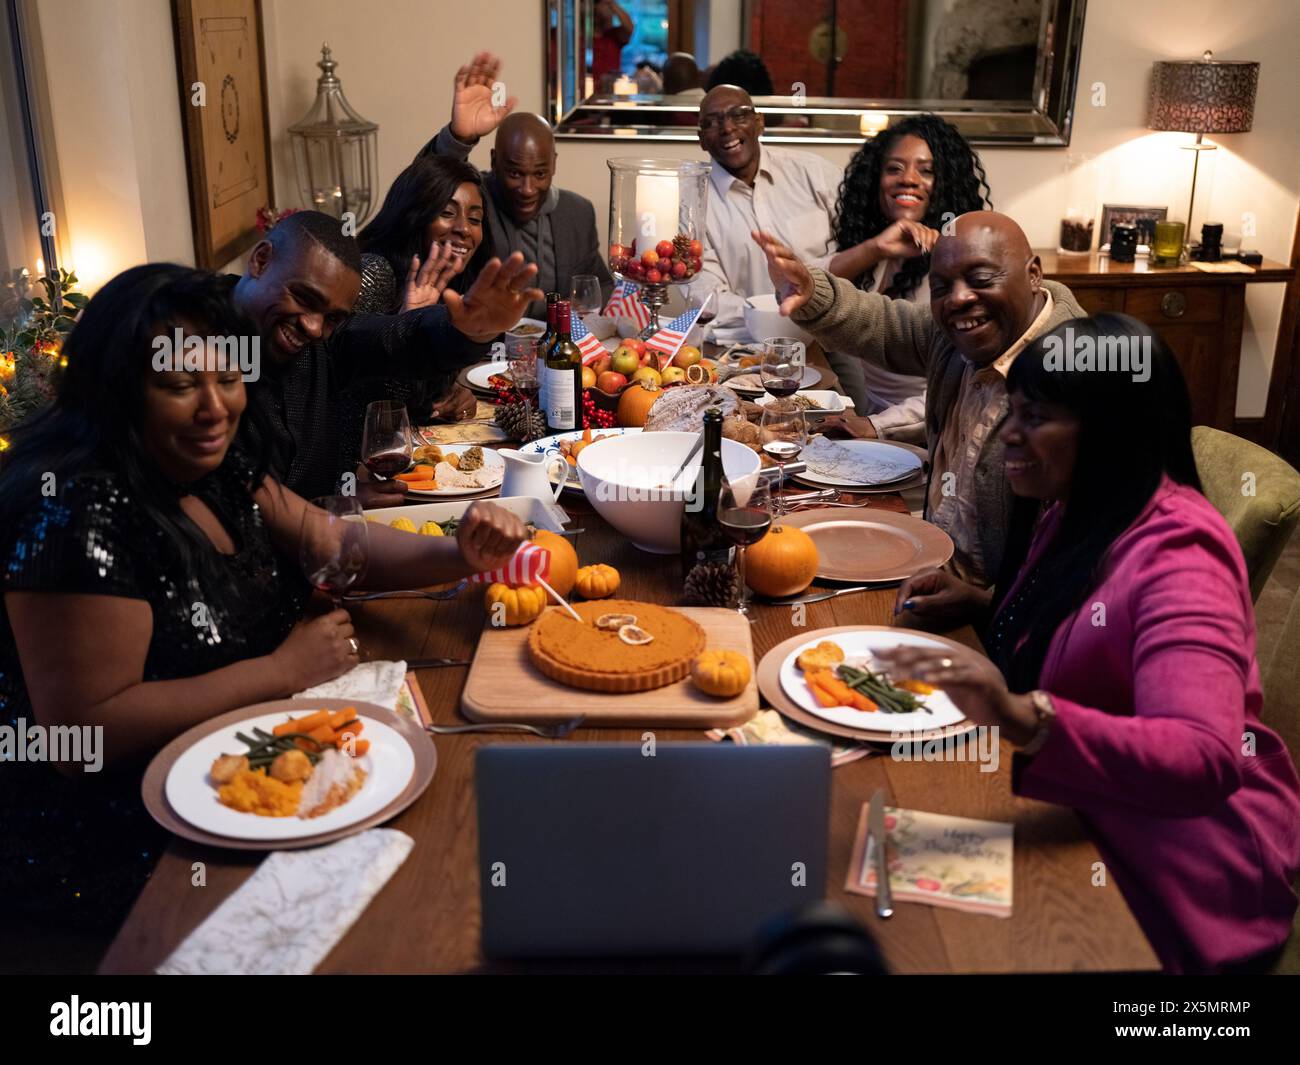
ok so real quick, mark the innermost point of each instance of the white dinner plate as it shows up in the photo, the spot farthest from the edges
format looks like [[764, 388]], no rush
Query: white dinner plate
[[494, 467], [858, 645], [828, 402], [904, 461], [550, 445], [751, 384], [533, 328], [477, 375], [389, 764]]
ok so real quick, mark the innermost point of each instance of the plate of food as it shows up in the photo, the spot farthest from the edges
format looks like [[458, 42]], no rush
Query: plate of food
[[857, 463], [841, 681], [447, 470], [290, 771], [488, 376], [527, 329], [569, 445], [816, 402], [751, 384]]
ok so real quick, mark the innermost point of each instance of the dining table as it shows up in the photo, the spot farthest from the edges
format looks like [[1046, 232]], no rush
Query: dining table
[[1067, 915]]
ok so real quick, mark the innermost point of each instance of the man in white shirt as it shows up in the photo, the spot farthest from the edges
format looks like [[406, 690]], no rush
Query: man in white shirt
[[752, 187]]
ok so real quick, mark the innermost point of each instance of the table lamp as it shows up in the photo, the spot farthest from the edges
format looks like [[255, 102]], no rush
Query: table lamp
[[1201, 96]]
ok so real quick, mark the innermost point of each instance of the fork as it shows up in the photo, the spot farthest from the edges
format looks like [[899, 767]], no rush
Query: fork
[[408, 593], [548, 732]]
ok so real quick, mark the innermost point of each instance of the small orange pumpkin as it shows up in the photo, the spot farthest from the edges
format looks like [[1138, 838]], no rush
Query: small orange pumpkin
[[635, 403], [564, 560], [598, 581], [522, 605], [784, 562], [721, 673]]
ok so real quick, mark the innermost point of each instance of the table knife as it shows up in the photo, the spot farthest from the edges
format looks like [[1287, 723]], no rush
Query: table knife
[[817, 597], [876, 831]]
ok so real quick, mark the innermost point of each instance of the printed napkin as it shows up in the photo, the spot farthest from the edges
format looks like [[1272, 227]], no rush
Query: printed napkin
[[957, 863], [768, 728], [369, 682], [292, 911]]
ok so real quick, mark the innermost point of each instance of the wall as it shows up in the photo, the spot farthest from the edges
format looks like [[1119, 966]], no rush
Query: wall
[[120, 151]]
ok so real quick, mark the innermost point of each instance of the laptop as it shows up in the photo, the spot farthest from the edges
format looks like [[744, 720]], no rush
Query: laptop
[[591, 850]]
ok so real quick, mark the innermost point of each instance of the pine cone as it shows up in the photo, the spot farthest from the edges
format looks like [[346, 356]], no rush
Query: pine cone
[[520, 421], [682, 246], [711, 584]]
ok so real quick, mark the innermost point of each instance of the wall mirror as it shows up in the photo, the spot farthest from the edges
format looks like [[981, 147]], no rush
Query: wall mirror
[[1002, 71]]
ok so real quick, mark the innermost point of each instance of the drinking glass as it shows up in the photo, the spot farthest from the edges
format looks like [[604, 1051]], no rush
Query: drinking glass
[[782, 367], [523, 370], [333, 544], [584, 295], [386, 439], [783, 432], [745, 515]]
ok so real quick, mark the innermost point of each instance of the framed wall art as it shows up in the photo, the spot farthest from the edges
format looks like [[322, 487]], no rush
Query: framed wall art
[[222, 71]]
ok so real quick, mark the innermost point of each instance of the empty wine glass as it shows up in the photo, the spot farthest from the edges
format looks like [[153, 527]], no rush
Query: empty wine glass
[[333, 544], [745, 515], [584, 295], [783, 432], [781, 370], [386, 439]]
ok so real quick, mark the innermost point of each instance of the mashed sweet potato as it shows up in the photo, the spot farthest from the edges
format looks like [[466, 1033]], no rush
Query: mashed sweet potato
[[253, 792]]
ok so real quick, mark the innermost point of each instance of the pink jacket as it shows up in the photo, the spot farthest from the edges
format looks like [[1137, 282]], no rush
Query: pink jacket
[[1157, 708]]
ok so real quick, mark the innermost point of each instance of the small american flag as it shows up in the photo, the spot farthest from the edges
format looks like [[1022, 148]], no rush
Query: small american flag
[[591, 348], [625, 302], [531, 564], [671, 336]]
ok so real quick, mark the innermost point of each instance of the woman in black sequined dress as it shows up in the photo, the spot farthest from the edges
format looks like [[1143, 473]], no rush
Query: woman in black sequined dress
[[150, 583]]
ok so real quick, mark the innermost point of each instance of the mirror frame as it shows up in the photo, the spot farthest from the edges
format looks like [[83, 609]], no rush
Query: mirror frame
[[1046, 121]]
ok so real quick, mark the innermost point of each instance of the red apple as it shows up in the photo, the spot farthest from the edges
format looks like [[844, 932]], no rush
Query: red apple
[[601, 365], [697, 265], [610, 381], [697, 249], [635, 343], [619, 250], [679, 269], [634, 270], [653, 276], [649, 258], [665, 249]]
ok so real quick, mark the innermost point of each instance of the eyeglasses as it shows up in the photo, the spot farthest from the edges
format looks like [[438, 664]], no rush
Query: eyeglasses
[[737, 116]]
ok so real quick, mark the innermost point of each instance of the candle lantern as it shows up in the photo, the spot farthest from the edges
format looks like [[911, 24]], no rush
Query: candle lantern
[[657, 212], [334, 151]]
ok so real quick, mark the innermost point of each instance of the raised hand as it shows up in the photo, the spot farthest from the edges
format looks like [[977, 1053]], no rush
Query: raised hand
[[457, 405], [497, 299], [488, 536], [905, 239], [793, 281], [936, 598], [425, 282], [473, 114]]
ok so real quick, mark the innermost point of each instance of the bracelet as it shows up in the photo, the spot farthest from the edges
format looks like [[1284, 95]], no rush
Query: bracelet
[[1045, 713]]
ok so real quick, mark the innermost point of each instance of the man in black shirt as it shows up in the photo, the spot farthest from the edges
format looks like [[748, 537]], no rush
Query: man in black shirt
[[299, 288]]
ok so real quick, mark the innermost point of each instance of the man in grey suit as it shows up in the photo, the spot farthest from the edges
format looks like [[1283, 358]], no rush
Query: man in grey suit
[[554, 228]]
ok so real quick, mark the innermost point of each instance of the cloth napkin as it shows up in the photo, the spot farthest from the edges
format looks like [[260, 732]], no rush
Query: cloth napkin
[[292, 911], [369, 682]]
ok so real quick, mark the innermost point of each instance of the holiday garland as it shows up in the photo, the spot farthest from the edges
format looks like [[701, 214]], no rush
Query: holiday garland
[[31, 350]]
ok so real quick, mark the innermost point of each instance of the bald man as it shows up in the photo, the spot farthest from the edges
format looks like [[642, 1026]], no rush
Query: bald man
[[988, 300], [552, 227], [752, 186]]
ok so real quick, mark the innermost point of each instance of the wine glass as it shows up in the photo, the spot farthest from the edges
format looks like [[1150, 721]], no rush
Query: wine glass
[[783, 432], [745, 515], [333, 544], [386, 439], [584, 295], [781, 370], [523, 370]]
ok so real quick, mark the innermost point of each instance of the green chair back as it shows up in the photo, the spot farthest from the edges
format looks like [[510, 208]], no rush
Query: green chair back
[[1257, 492]]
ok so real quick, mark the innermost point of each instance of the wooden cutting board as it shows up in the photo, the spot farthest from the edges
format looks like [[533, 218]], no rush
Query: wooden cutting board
[[504, 685]]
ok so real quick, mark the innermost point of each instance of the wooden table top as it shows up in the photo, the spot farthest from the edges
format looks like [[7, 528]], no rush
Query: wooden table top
[[426, 919], [1097, 269]]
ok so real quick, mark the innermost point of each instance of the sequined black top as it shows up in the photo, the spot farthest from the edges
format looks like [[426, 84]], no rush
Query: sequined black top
[[79, 849]]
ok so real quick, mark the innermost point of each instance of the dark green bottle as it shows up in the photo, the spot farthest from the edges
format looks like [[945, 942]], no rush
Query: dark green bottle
[[704, 543]]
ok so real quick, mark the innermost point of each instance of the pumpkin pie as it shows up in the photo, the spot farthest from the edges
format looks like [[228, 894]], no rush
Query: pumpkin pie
[[581, 655]]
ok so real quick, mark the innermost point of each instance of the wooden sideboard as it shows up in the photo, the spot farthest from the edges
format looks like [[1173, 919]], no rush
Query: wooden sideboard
[[1199, 314]]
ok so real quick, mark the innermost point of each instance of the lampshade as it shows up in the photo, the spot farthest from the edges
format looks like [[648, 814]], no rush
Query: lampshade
[[1203, 96], [334, 150]]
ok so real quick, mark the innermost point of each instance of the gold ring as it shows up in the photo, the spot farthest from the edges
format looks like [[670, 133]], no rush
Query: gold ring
[[356, 647]]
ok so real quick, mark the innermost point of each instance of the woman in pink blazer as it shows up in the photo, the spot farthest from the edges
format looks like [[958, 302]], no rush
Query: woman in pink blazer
[[1122, 646]]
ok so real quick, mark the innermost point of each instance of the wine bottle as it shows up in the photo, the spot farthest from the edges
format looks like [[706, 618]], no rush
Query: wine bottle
[[563, 377], [704, 541], [543, 346]]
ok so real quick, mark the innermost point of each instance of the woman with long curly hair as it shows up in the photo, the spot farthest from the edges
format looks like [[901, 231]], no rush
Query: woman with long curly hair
[[898, 190]]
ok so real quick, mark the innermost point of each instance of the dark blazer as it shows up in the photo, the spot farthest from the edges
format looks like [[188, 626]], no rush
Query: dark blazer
[[573, 222]]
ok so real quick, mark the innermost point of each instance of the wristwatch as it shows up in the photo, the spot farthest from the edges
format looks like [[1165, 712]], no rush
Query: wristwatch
[[1045, 713]]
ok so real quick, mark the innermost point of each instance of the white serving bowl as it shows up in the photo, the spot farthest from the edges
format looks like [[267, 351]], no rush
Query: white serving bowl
[[624, 478], [764, 321]]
